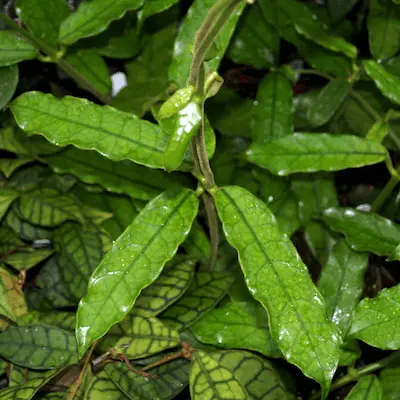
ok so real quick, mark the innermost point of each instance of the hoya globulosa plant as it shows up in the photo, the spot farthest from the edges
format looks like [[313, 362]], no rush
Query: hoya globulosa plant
[[147, 235]]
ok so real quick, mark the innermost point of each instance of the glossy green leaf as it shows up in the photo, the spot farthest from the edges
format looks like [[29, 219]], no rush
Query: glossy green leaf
[[278, 279], [113, 133], [339, 9], [153, 7], [206, 290], [14, 49], [395, 256], [9, 165], [383, 29], [378, 131], [27, 390], [9, 77], [27, 258], [165, 290], [180, 65], [272, 114], [389, 378], [5, 308], [172, 379], [134, 262], [102, 388], [7, 196], [376, 321], [309, 152], [328, 101], [257, 375], [320, 240], [93, 68], [210, 380], [48, 207], [38, 346], [342, 283], [93, 17], [386, 82], [238, 326], [364, 231], [350, 352], [43, 18], [367, 388], [197, 244]]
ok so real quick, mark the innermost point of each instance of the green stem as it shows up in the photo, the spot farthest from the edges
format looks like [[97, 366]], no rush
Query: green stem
[[54, 56], [213, 226], [384, 194]]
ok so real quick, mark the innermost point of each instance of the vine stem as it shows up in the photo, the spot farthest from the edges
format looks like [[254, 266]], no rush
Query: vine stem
[[355, 374], [57, 58]]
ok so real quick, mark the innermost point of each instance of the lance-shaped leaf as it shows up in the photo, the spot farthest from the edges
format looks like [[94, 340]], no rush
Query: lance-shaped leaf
[[273, 109], [279, 280], [342, 283], [383, 29], [257, 375], [386, 82], [180, 66], [27, 257], [206, 290], [9, 77], [94, 17], [327, 102], [367, 388], [168, 288], [43, 18], [237, 325], [38, 346], [364, 231], [140, 337], [7, 196], [27, 390], [80, 250], [48, 207], [93, 68], [9, 165], [172, 378], [134, 262], [5, 308], [14, 49], [389, 378], [88, 126], [210, 380], [102, 388], [123, 177], [377, 321], [310, 152]]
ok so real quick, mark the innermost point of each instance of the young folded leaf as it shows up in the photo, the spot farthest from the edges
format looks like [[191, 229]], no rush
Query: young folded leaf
[[311, 152], [134, 262], [279, 280]]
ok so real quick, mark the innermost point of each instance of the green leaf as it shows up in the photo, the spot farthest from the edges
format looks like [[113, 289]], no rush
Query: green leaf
[[134, 262], [169, 287], [383, 29], [102, 388], [395, 256], [61, 319], [339, 9], [378, 131], [38, 346], [172, 379], [113, 133], [238, 326], [123, 177], [197, 244], [27, 258], [367, 388], [327, 102], [154, 7], [9, 77], [310, 152], [9, 240], [19, 376], [79, 253], [93, 68], [14, 49], [28, 390], [5, 308], [387, 83], [376, 321], [342, 283], [140, 337], [49, 207], [272, 114], [364, 231], [350, 352], [7, 196], [210, 380], [389, 378], [9, 165], [43, 18], [257, 375], [180, 65], [206, 290], [94, 17], [278, 279]]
